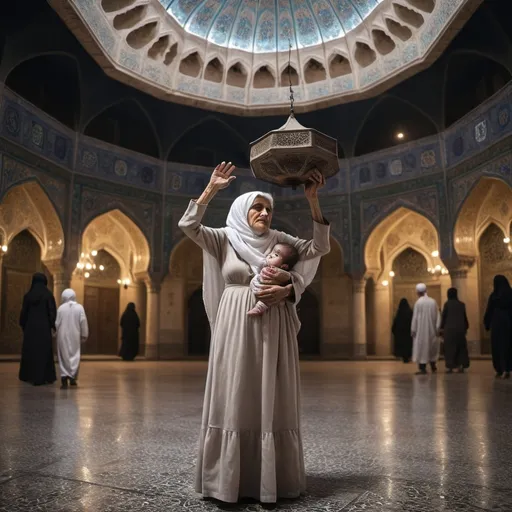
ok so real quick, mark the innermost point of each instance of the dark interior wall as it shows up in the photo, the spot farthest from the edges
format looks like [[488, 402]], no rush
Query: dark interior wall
[[77, 92]]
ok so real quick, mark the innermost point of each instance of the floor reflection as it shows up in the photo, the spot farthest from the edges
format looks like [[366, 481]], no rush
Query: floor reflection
[[376, 438]]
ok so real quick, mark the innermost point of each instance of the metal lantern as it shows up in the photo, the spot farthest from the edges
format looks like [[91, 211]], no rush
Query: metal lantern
[[287, 156]]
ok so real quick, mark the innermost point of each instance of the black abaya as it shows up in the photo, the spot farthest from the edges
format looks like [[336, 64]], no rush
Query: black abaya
[[37, 319], [455, 324], [402, 331], [130, 325], [498, 319]]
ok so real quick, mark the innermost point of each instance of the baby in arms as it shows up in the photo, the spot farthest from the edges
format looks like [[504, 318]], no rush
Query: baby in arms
[[282, 256]]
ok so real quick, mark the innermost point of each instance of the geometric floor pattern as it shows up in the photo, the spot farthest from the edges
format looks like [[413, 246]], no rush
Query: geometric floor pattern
[[376, 438]]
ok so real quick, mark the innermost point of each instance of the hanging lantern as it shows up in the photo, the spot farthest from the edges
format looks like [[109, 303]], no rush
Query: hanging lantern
[[287, 156]]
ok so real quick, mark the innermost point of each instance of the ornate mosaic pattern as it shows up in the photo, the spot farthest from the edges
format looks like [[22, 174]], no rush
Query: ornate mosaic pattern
[[269, 25]]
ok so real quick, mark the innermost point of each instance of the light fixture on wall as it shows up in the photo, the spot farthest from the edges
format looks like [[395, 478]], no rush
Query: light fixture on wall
[[506, 240], [400, 135], [124, 282], [391, 273], [87, 264], [4, 248], [385, 282], [438, 270], [435, 254]]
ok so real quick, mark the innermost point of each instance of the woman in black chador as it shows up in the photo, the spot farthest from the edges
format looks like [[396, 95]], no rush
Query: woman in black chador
[[454, 325], [37, 319], [130, 324], [402, 331], [498, 319]]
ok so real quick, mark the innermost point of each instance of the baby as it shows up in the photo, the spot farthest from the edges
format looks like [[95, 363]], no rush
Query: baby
[[282, 256]]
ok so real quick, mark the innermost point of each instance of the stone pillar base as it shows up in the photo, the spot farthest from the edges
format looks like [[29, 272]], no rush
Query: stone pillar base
[[474, 348], [151, 352], [360, 352]]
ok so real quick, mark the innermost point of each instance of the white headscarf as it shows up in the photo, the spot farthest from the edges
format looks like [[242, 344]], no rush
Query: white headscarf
[[252, 248], [68, 296], [421, 288]]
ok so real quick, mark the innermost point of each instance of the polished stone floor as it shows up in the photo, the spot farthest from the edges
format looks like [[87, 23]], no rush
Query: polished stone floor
[[377, 438]]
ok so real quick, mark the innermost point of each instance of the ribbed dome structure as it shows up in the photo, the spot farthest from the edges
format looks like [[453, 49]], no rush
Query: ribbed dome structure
[[232, 55]]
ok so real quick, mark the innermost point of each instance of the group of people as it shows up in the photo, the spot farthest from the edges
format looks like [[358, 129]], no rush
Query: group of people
[[41, 321], [417, 331], [250, 442]]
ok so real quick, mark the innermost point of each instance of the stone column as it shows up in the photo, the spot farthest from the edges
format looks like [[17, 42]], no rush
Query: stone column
[[1, 285], [152, 319], [61, 281], [382, 320], [359, 318], [466, 282]]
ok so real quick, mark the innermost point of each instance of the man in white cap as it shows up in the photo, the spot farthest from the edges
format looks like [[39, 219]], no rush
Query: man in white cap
[[424, 329]]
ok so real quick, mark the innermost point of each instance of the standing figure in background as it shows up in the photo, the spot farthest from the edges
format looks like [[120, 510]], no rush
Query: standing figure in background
[[130, 325], [424, 330], [402, 331], [72, 330], [498, 319], [454, 326], [37, 319]]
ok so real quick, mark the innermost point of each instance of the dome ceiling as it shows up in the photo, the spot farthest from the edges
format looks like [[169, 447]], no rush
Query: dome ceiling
[[269, 25], [233, 55]]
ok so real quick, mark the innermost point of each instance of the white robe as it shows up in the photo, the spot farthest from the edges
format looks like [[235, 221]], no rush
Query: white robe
[[426, 321], [72, 329]]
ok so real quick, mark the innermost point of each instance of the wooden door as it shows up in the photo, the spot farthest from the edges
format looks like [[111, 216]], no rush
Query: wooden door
[[102, 310], [19, 264], [308, 311], [198, 326]]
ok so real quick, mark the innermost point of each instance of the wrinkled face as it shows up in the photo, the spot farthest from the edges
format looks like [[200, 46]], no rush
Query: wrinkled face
[[260, 215]]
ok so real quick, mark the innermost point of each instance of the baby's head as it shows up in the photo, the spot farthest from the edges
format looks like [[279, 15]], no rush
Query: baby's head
[[283, 256]]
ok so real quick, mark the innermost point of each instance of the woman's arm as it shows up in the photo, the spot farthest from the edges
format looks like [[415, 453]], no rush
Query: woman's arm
[[209, 239]]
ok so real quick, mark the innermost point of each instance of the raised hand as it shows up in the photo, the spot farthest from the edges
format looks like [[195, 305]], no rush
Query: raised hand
[[221, 176], [314, 184]]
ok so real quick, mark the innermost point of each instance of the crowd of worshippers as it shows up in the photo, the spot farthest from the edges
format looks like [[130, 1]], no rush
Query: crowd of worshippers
[[41, 321], [418, 332]]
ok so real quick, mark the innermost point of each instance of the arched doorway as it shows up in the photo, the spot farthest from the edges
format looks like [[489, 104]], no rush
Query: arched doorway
[[111, 273], [495, 258], [22, 260], [400, 252], [308, 311], [198, 332], [480, 238], [101, 304]]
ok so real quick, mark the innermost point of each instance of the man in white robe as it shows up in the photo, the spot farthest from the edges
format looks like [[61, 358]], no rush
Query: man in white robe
[[426, 321], [72, 329]]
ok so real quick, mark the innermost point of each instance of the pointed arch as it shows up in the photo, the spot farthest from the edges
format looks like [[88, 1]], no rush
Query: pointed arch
[[26, 206], [489, 201], [400, 116], [51, 82], [471, 77], [115, 232], [125, 123], [209, 141], [399, 230]]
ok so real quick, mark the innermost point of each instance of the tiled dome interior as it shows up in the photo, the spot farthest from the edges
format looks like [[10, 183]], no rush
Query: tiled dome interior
[[269, 25], [233, 55]]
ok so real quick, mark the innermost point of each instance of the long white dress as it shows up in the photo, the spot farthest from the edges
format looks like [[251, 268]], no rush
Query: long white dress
[[250, 442], [426, 321], [72, 329]]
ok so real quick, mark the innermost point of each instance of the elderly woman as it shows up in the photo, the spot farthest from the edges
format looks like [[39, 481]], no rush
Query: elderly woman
[[250, 442]]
